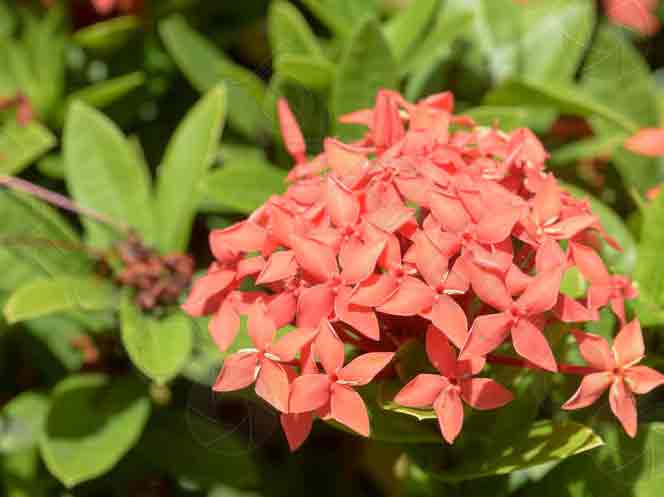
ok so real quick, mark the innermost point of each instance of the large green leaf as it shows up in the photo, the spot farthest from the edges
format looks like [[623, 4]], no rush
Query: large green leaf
[[234, 185], [588, 148], [20, 145], [310, 72], [195, 446], [650, 265], [205, 67], [106, 92], [617, 75], [545, 442], [159, 347], [103, 174], [341, 16], [107, 35], [187, 159], [406, 27], [34, 234], [562, 97], [289, 32], [92, 424], [21, 421], [366, 66], [45, 296]]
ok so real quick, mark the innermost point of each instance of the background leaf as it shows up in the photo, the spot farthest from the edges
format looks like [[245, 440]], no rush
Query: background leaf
[[20, 145], [186, 160]]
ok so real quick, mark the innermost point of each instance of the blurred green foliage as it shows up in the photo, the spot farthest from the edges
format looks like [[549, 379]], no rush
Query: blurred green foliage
[[100, 396]]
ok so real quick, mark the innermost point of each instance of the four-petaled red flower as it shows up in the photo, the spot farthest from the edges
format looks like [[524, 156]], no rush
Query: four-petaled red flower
[[456, 382], [617, 370]]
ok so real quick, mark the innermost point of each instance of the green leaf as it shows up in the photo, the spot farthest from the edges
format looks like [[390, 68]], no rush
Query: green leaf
[[107, 36], [35, 234], [316, 74], [554, 38], [201, 449], [341, 16], [545, 442], [159, 347], [564, 98], [187, 159], [618, 262], [205, 67], [406, 27], [20, 145], [588, 148], [234, 186], [103, 174], [290, 33], [104, 93], [650, 265], [366, 66], [21, 421], [7, 20], [92, 424], [46, 296]]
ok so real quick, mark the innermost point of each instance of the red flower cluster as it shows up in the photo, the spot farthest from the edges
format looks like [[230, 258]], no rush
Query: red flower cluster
[[430, 226]]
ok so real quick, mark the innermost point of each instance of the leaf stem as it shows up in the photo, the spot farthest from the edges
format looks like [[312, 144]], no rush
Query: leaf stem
[[61, 201]]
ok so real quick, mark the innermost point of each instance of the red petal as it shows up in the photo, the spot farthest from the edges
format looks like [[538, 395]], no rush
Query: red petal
[[571, 227], [329, 349], [387, 127], [250, 266], [411, 298], [317, 259], [431, 263], [272, 385], [343, 159], [440, 353], [365, 367], [363, 319], [591, 388], [289, 345], [549, 255], [281, 307], [296, 428], [421, 391], [290, 132], [450, 318], [363, 263], [342, 206], [496, 227], [648, 141], [237, 372], [589, 263], [642, 379], [569, 310], [595, 350], [490, 288], [623, 406], [390, 218], [260, 326], [487, 333], [280, 266], [450, 414], [542, 292], [449, 211], [224, 325], [347, 407], [546, 204], [242, 237], [314, 304], [309, 392], [516, 280], [375, 290], [201, 300], [628, 346], [484, 393], [530, 343]]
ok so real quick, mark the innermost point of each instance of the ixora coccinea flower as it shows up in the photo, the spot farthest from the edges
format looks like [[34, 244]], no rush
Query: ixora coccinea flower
[[429, 228]]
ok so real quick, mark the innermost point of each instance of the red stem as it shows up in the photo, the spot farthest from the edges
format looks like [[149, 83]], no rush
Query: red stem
[[60, 201], [521, 363]]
